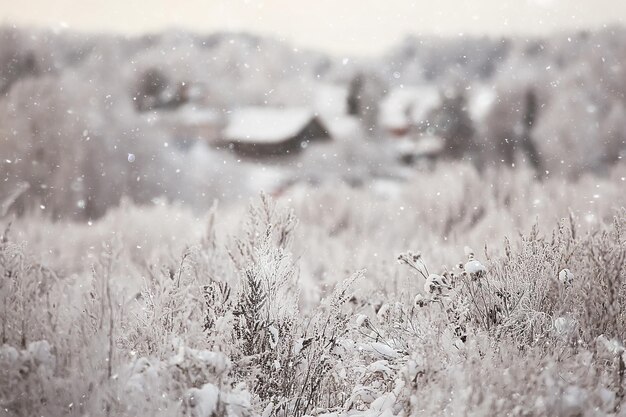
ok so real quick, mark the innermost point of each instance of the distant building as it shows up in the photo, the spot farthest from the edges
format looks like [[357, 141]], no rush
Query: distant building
[[265, 132], [405, 117], [406, 109]]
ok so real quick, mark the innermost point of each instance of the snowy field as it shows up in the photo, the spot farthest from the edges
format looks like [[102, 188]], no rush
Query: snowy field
[[229, 225], [453, 295]]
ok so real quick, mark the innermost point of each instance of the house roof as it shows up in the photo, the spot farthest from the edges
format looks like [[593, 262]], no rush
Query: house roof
[[266, 125]]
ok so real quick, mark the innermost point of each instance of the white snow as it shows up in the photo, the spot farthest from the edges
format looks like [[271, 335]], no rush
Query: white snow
[[342, 126], [573, 401], [361, 319], [267, 178], [8, 354], [266, 124], [564, 326], [436, 280], [41, 352], [612, 346], [203, 401], [330, 99], [273, 333], [481, 101], [196, 116], [297, 346], [423, 146], [37, 353], [216, 360], [143, 373], [403, 107], [475, 267], [379, 349], [566, 277], [381, 366], [419, 300]]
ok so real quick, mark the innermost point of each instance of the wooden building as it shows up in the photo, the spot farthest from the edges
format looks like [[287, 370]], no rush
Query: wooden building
[[259, 132]]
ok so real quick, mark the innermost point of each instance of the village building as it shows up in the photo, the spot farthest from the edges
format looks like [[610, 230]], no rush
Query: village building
[[406, 109], [267, 131], [405, 114]]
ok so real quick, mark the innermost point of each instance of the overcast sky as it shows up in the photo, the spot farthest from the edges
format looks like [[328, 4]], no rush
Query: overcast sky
[[337, 26]]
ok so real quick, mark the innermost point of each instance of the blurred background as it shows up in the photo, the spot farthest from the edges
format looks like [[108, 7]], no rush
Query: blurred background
[[152, 102]]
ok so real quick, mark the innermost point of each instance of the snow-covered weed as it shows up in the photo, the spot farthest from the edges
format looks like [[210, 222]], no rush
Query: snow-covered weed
[[270, 315]]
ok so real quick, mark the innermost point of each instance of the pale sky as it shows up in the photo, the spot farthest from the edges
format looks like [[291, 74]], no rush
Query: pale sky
[[360, 27]]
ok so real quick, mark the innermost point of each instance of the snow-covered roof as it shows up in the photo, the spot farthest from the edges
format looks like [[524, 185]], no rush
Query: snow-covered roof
[[341, 126], [407, 105], [266, 124], [330, 99]]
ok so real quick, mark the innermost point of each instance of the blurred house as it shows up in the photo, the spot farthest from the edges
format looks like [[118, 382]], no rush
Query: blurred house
[[264, 132], [406, 109], [405, 114], [329, 102], [365, 91]]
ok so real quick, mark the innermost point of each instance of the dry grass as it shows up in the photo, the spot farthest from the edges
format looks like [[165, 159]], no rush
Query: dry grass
[[298, 307]]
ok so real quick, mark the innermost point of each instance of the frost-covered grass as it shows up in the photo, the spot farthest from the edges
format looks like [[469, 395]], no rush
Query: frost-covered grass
[[452, 294]]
